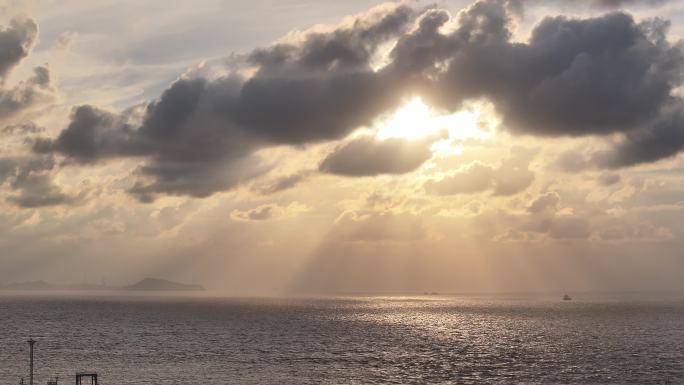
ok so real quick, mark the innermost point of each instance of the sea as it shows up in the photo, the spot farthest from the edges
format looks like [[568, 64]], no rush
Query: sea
[[399, 339]]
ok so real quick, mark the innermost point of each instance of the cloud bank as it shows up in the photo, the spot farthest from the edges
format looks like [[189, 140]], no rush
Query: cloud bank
[[596, 76]]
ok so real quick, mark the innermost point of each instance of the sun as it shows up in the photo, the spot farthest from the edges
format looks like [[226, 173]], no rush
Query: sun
[[416, 120]]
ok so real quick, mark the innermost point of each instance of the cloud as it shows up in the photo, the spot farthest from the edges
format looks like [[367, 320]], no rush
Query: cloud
[[30, 178], [34, 92], [545, 203], [269, 212], [572, 161], [510, 177], [38, 190], [260, 213], [663, 139], [13, 168], [38, 90], [608, 179], [475, 178], [92, 134], [574, 77], [344, 48], [200, 136], [16, 42], [24, 128], [368, 156], [282, 183]]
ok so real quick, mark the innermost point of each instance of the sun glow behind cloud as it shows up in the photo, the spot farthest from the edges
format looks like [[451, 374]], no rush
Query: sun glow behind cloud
[[416, 120]]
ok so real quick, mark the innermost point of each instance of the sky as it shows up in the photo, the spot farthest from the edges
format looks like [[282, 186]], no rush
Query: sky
[[286, 147]]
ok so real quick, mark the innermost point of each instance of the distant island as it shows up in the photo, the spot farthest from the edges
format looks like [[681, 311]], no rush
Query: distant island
[[147, 284], [156, 284]]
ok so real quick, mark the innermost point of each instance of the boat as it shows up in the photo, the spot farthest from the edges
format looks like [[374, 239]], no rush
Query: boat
[[567, 298]]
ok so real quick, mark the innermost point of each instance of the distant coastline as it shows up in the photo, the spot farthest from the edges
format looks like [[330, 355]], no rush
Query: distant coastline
[[146, 284]]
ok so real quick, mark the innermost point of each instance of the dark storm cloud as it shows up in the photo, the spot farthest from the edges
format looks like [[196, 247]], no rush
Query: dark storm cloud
[[368, 156], [15, 44], [574, 77]]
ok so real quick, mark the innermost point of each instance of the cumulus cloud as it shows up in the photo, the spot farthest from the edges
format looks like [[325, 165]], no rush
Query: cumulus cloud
[[545, 203], [663, 139], [25, 128], [32, 93], [38, 190], [30, 180], [473, 179], [368, 156], [16, 42], [39, 90], [260, 213], [200, 136], [510, 177], [574, 77], [19, 167], [269, 212]]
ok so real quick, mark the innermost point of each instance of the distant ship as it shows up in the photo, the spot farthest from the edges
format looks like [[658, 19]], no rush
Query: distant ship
[[567, 298]]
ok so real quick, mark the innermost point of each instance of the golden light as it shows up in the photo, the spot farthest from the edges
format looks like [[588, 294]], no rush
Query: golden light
[[416, 120]]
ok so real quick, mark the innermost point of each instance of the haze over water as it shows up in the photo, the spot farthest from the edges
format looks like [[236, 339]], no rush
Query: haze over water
[[343, 340]]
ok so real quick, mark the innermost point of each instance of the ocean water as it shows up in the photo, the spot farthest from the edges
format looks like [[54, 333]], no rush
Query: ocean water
[[355, 340]]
